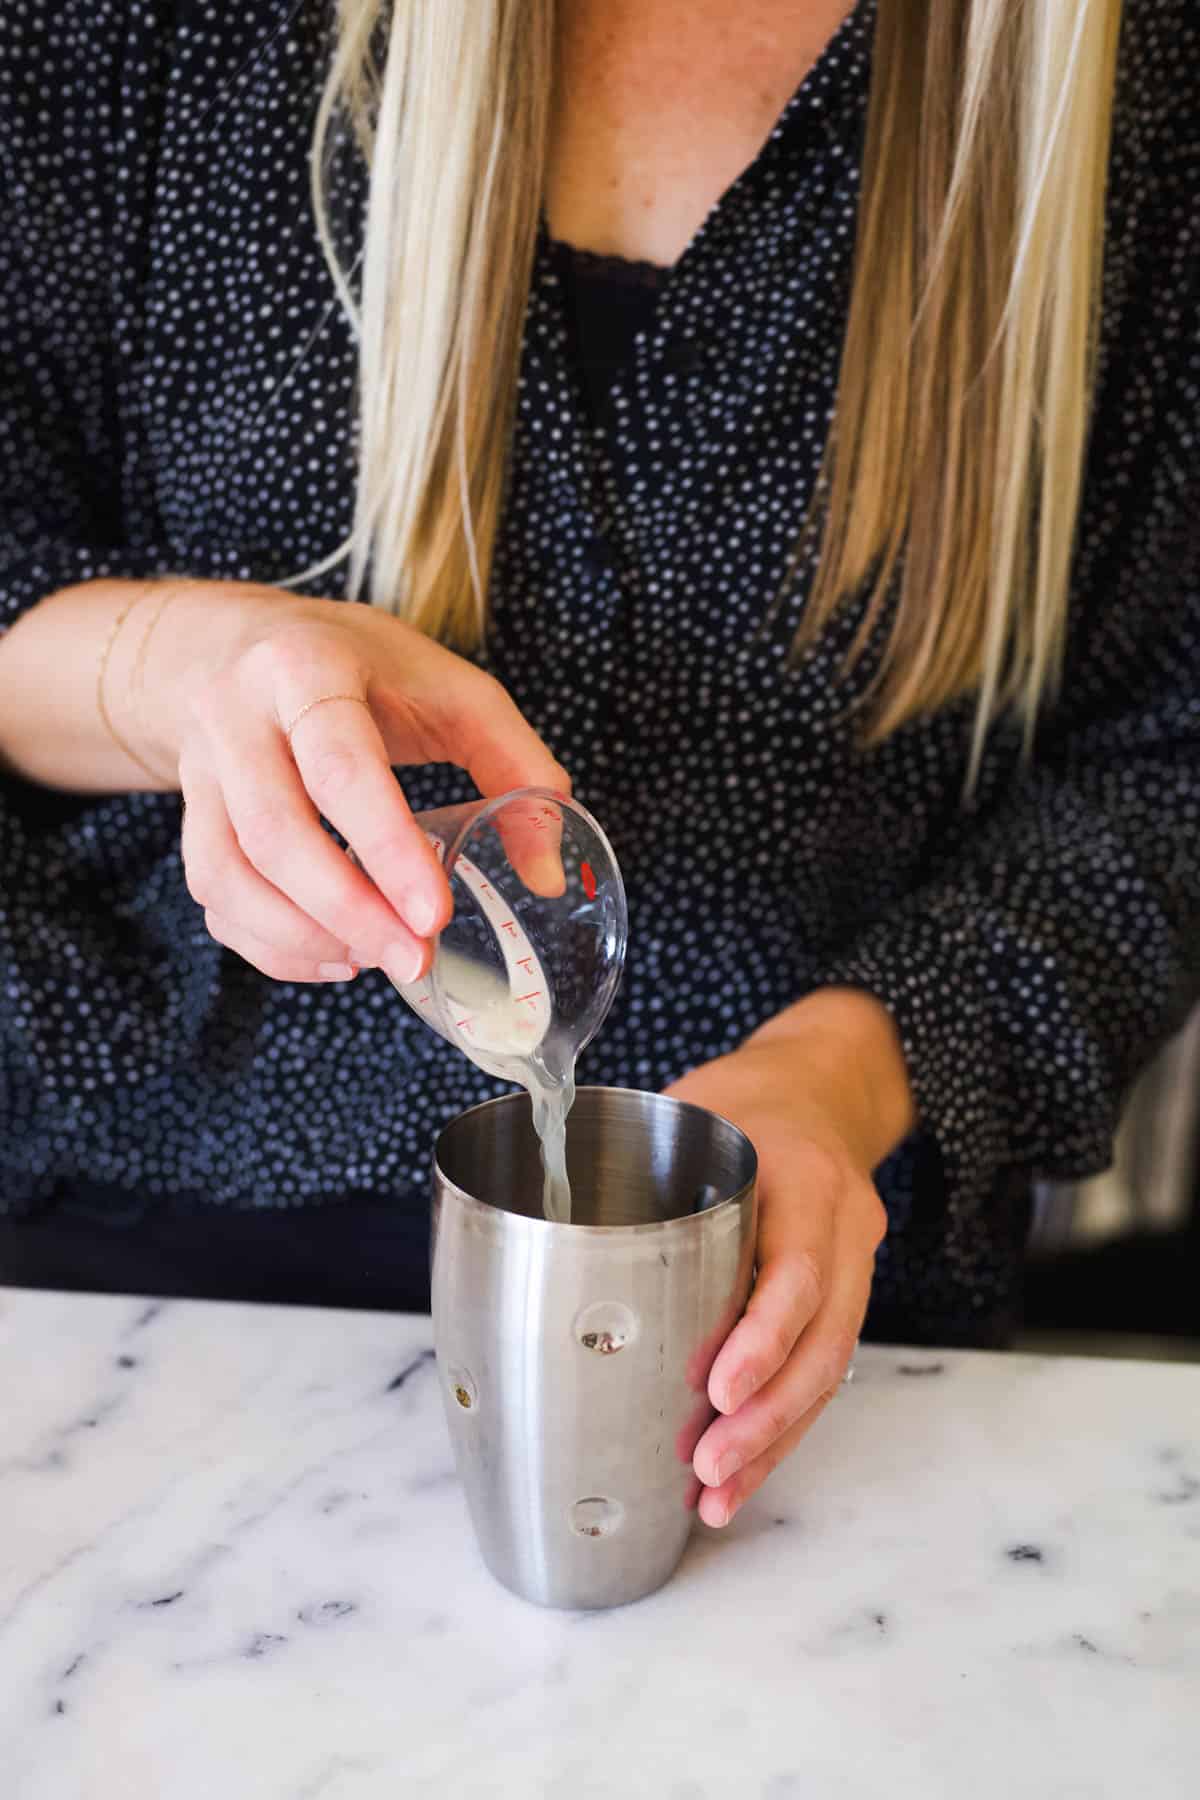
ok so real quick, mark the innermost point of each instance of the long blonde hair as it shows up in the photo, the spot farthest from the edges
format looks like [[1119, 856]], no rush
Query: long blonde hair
[[952, 472]]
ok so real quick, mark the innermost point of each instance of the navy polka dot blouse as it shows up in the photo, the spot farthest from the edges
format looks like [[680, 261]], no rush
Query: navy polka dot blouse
[[176, 395]]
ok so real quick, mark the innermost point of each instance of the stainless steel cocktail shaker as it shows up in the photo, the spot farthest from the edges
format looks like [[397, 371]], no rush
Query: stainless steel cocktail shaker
[[574, 1358]]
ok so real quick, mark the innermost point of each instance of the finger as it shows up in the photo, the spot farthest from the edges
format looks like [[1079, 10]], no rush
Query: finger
[[718, 1505], [497, 746], [692, 1430], [277, 827], [269, 959], [795, 1252], [221, 880], [343, 763], [815, 1367]]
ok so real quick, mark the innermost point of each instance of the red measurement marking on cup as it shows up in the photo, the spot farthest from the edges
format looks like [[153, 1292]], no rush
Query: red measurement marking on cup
[[588, 880], [531, 999], [507, 925], [425, 999], [526, 963], [464, 1024]]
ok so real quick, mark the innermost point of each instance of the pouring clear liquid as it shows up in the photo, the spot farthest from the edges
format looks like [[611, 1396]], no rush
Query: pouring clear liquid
[[504, 1042], [524, 972]]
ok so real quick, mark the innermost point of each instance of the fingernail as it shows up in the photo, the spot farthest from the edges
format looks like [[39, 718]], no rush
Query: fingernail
[[739, 1390], [402, 962], [421, 913], [336, 971], [727, 1465], [719, 1514]]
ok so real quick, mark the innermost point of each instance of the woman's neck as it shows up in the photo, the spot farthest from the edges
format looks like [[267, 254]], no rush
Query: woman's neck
[[660, 106]]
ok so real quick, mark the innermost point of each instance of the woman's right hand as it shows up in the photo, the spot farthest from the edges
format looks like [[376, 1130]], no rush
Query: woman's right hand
[[232, 672]]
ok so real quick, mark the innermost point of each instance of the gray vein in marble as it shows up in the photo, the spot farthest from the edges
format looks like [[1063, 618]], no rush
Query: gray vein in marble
[[410, 1369], [1182, 1485], [146, 1315]]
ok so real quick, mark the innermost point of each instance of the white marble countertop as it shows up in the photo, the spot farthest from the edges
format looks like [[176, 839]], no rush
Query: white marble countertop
[[235, 1563]]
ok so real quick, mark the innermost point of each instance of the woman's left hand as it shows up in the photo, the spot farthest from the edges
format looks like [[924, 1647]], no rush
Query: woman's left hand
[[821, 1115]]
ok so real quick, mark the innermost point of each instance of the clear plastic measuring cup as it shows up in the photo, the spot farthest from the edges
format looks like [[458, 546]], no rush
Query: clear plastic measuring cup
[[527, 967]]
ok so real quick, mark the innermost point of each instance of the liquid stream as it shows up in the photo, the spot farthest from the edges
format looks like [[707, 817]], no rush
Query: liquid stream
[[517, 1046]]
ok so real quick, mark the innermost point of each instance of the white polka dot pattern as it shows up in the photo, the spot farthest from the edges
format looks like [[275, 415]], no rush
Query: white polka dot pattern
[[159, 281]]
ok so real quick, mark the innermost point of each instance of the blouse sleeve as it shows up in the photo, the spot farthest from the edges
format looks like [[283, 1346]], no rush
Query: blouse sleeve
[[1056, 940], [81, 89]]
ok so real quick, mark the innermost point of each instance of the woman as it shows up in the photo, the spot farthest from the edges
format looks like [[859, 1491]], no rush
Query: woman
[[895, 727]]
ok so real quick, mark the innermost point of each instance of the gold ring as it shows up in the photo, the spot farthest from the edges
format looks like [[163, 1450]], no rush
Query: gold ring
[[322, 700]]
